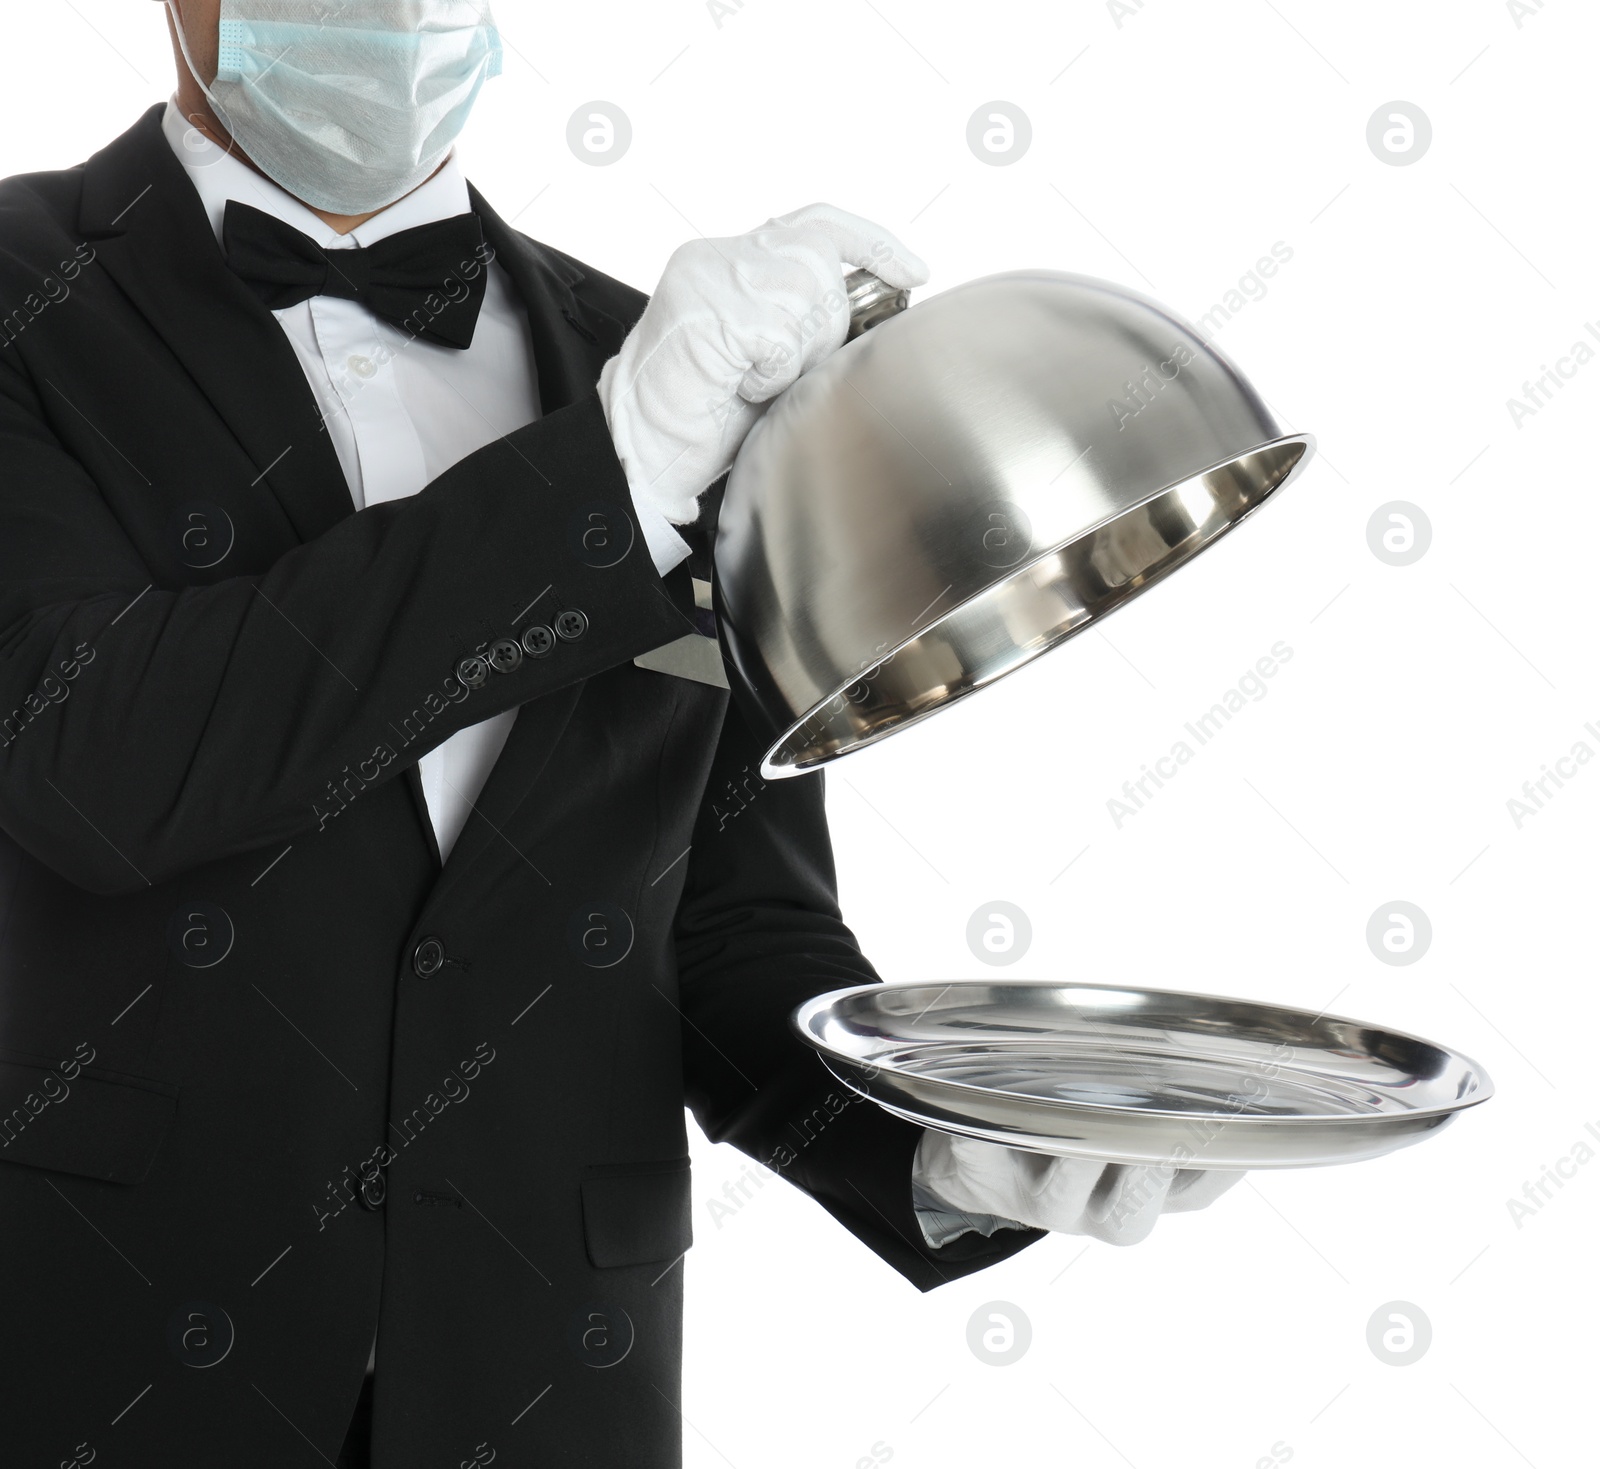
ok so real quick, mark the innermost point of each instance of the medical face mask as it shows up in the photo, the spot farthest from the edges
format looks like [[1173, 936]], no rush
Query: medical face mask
[[349, 104]]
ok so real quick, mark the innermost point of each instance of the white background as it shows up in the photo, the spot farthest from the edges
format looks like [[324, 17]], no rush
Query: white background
[[1169, 152]]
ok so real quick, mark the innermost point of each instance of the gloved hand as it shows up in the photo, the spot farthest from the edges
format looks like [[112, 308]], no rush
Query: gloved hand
[[733, 323], [1115, 1202]]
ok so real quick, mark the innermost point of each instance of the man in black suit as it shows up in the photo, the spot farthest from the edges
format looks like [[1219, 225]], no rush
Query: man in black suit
[[313, 1054]]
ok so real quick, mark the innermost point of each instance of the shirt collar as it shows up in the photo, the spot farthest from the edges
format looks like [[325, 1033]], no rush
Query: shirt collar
[[218, 176]]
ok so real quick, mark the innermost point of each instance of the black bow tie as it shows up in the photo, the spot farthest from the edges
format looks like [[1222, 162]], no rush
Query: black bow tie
[[429, 281]]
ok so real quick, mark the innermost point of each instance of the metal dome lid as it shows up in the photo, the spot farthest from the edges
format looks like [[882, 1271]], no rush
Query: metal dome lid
[[967, 485]]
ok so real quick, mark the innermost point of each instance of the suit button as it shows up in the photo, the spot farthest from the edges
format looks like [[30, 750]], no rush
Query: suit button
[[427, 959], [505, 655], [473, 670], [373, 1190], [537, 641], [571, 625]]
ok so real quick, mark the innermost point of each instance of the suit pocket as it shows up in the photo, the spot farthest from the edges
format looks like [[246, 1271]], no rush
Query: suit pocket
[[100, 1124], [634, 1213]]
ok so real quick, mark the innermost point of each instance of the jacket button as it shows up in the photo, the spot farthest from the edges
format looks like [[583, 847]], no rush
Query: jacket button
[[505, 654], [571, 625], [427, 959], [373, 1191], [538, 640], [473, 670]]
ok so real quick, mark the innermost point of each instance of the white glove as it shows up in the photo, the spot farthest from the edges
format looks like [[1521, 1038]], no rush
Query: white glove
[[986, 1186], [733, 323]]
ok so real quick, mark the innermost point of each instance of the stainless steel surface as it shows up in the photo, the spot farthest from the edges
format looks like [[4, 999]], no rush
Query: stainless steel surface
[[965, 486], [1125, 1074]]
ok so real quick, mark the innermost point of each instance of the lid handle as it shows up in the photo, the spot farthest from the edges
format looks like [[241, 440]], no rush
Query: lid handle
[[872, 300]]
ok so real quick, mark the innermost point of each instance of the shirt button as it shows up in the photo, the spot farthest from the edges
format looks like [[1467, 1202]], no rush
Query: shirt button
[[505, 654], [473, 670], [427, 959], [571, 625], [361, 366], [538, 640]]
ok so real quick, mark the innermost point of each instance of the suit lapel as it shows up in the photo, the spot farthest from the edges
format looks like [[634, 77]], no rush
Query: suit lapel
[[152, 237], [572, 341]]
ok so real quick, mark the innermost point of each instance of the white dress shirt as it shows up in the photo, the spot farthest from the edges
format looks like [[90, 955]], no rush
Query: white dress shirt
[[401, 411]]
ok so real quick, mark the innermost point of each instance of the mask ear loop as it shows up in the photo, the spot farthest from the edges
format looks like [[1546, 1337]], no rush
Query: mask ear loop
[[216, 106]]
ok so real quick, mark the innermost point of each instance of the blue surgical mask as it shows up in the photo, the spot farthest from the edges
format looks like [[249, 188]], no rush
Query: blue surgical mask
[[349, 104]]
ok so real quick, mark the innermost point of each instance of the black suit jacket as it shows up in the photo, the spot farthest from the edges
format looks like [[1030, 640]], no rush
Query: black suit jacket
[[270, 1076]]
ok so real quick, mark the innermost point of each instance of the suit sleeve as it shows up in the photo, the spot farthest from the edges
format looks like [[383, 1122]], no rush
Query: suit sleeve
[[759, 930], [146, 730]]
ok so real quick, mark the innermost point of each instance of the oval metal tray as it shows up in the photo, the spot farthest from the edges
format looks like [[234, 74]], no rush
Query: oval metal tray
[[1125, 1074]]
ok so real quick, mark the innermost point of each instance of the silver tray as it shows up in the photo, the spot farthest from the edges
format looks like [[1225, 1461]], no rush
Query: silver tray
[[1124, 1074]]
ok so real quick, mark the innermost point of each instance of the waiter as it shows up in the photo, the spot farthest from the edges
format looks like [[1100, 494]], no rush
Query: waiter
[[368, 915]]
